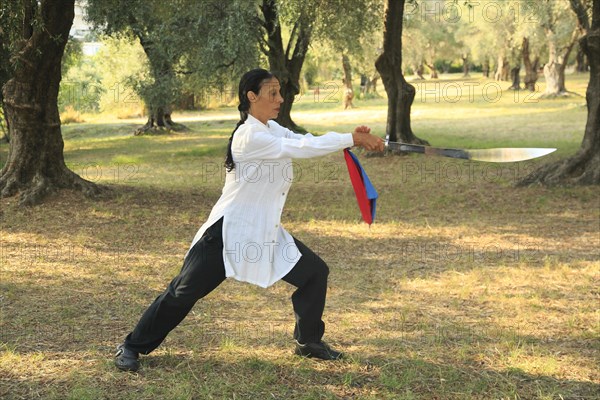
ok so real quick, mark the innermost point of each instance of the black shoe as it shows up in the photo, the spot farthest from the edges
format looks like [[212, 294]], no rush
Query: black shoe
[[318, 350], [127, 360]]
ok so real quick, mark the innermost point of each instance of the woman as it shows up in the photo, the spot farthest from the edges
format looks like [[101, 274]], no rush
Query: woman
[[242, 237]]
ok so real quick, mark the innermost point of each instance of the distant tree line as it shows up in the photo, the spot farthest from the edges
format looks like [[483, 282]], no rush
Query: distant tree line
[[211, 42]]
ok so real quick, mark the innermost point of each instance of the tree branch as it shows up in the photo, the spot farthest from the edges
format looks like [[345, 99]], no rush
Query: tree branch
[[272, 27], [260, 22], [292, 35], [262, 42], [264, 46], [301, 47], [30, 9], [194, 71], [581, 13]]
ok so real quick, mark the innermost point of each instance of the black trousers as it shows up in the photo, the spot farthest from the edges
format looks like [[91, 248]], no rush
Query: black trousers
[[203, 270]]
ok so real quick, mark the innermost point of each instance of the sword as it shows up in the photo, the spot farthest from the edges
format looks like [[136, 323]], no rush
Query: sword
[[509, 154]]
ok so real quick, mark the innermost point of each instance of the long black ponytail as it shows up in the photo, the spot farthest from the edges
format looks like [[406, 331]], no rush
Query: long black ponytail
[[251, 81]]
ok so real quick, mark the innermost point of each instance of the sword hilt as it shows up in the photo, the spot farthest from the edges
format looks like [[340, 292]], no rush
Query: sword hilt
[[421, 149]]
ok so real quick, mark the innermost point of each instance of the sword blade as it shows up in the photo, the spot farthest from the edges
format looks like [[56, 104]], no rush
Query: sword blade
[[507, 154]]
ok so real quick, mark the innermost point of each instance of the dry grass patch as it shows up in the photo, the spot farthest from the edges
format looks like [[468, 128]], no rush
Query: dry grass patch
[[424, 308], [464, 288]]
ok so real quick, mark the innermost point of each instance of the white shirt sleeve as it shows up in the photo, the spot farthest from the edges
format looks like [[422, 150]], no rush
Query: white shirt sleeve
[[257, 143]]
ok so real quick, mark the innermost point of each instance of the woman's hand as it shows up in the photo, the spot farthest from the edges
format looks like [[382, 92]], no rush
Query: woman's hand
[[362, 137]]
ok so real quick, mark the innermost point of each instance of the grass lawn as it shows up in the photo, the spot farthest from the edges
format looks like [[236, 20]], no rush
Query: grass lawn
[[465, 287]]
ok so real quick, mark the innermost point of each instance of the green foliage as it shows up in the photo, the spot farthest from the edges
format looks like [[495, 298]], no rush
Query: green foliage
[[557, 21], [327, 30], [224, 47], [359, 35], [311, 70], [429, 35], [442, 31], [81, 86], [10, 16], [463, 311], [105, 81], [73, 55], [153, 24], [349, 24], [322, 65], [120, 63], [18, 20], [187, 43]]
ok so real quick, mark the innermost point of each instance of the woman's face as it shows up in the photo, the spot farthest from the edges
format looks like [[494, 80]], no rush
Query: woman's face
[[266, 104]]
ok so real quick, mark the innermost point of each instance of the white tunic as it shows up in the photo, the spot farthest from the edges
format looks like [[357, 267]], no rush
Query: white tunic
[[256, 248]]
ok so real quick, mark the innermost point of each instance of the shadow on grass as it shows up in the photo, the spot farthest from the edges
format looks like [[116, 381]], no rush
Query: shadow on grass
[[204, 375], [78, 273]]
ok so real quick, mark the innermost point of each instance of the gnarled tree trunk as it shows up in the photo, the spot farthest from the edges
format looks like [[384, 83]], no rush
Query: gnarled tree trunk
[[584, 167], [516, 78], [434, 74], [348, 90], [502, 69], [565, 58], [551, 72], [419, 70], [583, 25], [485, 67], [372, 85], [35, 165], [160, 96], [389, 65], [285, 66], [465, 60], [531, 68], [159, 120], [581, 60], [554, 70]]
